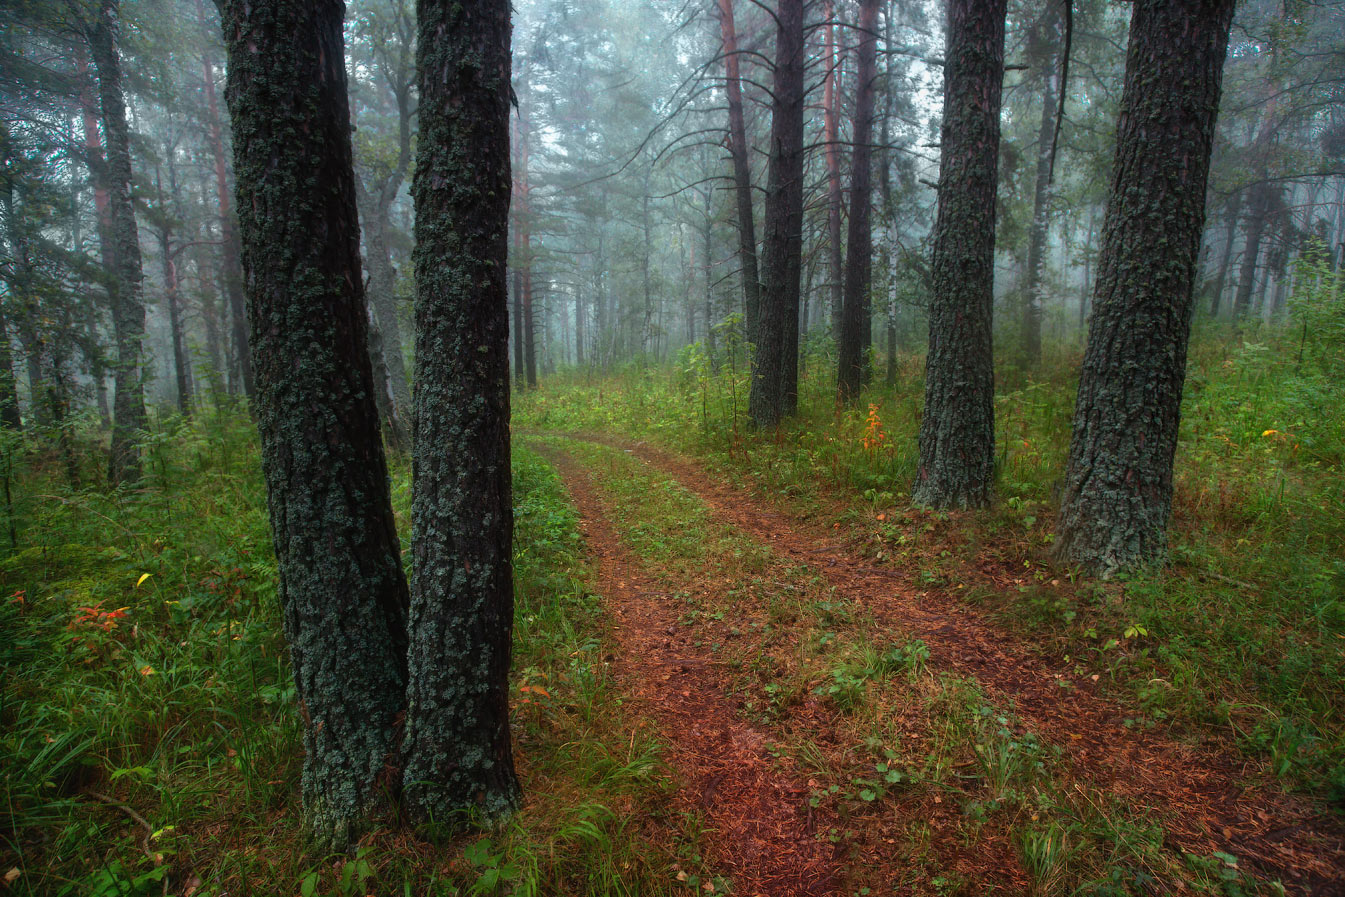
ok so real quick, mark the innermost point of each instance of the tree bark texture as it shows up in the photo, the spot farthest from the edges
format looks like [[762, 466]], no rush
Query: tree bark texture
[[458, 754], [957, 431], [774, 393], [852, 354], [1118, 482], [125, 276], [342, 588]]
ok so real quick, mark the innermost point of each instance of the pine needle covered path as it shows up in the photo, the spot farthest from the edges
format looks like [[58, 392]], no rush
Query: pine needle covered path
[[1208, 809]]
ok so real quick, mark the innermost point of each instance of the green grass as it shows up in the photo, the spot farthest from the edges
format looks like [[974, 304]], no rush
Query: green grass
[[1243, 633], [144, 670]]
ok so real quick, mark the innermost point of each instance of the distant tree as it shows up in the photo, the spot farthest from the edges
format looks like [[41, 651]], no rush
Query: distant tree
[[342, 588], [742, 170], [852, 350], [457, 746], [1118, 482], [957, 431], [831, 134], [125, 272], [774, 392]]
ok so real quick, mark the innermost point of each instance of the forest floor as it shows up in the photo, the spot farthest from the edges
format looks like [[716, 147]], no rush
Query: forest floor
[[844, 728]]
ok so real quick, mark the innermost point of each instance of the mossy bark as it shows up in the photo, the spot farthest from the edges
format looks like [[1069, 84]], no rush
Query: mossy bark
[[342, 589], [1118, 483], [458, 755], [957, 431], [774, 393], [125, 271]]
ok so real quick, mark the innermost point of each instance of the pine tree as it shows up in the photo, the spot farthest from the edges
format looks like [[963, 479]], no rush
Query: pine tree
[[342, 588], [1118, 482]]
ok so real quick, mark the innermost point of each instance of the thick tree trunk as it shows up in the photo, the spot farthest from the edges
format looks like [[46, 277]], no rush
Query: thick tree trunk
[[859, 260], [458, 752], [774, 393], [342, 588], [1118, 483], [957, 431], [125, 279], [232, 273], [742, 174]]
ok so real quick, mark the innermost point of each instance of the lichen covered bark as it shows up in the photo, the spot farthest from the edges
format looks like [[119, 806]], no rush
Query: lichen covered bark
[[1118, 483], [957, 431], [457, 748], [342, 588]]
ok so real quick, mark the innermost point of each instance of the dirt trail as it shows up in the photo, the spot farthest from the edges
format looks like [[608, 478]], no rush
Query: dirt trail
[[1203, 792], [762, 826]]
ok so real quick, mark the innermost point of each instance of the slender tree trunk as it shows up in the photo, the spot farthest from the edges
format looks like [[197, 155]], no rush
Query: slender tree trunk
[[831, 133], [957, 431], [859, 242], [1216, 299], [742, 173], [173, 300], [232, 274], [128, 307], [1034, 292], [383, 302], [519, 377], [342, 588], [394, 431], [210, 318], [457, 727], [774, 393], [9, 392], [1118, 482], [1258, 212]]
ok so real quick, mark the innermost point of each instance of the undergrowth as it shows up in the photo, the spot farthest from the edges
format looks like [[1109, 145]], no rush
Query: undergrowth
[[148, 727]]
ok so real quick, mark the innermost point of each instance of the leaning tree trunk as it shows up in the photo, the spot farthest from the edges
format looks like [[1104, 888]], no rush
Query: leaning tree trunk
[[342, 588], [957, 431], [859, 258], [125, 279], [1118, 483], [458, 753], [774, 393], [742, 173]]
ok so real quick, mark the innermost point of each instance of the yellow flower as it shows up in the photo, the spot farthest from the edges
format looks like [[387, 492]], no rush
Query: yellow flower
[[1271, 433]]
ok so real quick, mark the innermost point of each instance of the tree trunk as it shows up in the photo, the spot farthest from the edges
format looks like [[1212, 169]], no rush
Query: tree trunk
[[9, 392], [173, 299], [125, 278], [1258, 212], [229, 245], [831, 114], [742, 174], [1220, 276], [957, 431], [210, 318], [1118, 482], [859, 259], [774, 393], [342, 588], [1034, 298], [457, 727]]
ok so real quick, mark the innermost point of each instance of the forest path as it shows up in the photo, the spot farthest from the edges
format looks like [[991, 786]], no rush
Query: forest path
[[764, 830], [1208, 798]]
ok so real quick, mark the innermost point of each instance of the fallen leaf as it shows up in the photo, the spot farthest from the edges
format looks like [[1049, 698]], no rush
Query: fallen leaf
[[12, 875]]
